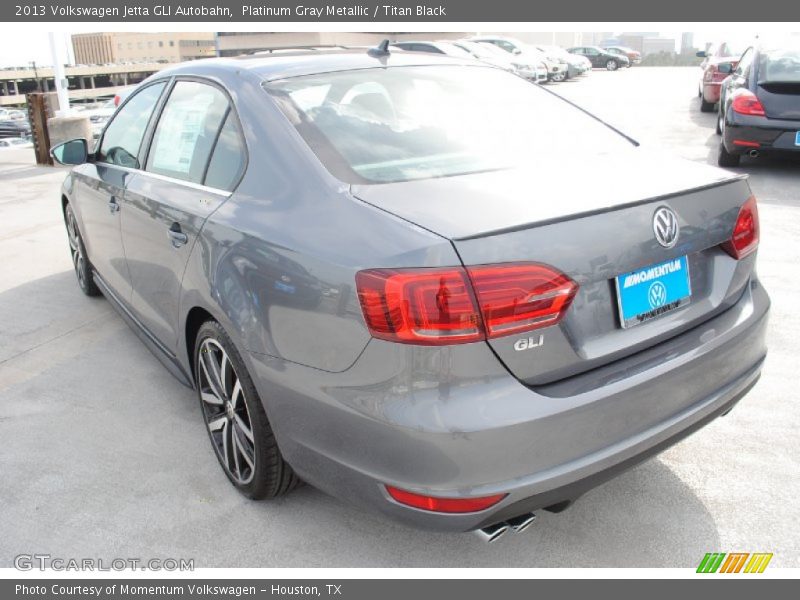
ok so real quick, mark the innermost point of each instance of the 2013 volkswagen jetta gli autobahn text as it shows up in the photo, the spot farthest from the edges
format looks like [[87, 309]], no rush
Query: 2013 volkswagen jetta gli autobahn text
[[344, 254]]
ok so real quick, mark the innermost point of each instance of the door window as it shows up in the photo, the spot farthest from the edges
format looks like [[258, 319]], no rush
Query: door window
[[228, 160], [743, 68], [184, 138], [123, 136]]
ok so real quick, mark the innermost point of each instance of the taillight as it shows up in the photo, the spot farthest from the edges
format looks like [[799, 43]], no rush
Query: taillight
[[709, 73], [520, 297], [746, 103], [419, 306], [117, 100], [744, 239], [454, 305], [444, 505]]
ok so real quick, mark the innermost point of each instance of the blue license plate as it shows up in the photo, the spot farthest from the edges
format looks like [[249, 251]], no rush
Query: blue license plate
[[650, 292], [797, 139]]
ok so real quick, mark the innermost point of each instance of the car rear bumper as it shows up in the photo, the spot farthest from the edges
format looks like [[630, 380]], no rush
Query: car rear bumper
[[452, 422], [771, 135], [711, 91]]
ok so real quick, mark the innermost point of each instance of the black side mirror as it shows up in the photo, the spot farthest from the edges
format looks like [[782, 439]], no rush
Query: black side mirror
[[701, 54], [73, 152], [725, 68]]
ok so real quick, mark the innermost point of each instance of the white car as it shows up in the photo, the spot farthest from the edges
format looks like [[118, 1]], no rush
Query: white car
[[557, 69]]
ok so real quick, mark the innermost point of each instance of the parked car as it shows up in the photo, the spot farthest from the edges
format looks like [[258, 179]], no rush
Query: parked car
[[576, 65], [495, 56], [13, 128], [15, 142], [601, 59], [759, 109], [557, 69], [718, 62], [447, 48], [463, 352], [634, 56]]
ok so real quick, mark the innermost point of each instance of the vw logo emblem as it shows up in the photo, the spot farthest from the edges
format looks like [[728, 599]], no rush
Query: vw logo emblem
[[657, 294], [665, 226]]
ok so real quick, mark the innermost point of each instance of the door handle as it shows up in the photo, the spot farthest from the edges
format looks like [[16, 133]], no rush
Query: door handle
[[176, 236], [113, 205]]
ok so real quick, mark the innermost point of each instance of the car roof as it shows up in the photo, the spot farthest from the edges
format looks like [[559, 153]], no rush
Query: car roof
[[282, 65]]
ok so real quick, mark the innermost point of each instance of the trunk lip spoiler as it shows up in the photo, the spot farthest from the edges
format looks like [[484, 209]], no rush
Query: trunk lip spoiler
[[599, 211]]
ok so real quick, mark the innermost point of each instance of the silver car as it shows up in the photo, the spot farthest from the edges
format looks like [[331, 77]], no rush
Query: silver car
[[344, 255]]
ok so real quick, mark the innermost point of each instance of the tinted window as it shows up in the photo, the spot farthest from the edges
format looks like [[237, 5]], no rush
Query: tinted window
[[780, 65], [186, 131], [227, 162], [123, 136], [381, 125]]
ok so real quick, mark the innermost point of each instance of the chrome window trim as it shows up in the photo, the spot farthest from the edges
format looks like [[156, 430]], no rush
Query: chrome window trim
[[183, 182]]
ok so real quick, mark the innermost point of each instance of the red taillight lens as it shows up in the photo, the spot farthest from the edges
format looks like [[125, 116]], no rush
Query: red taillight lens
[[709, 73], [521, 297], [117, 100], [455, 306], [744, 239], [746, 103], [419, 306], [444, 505]]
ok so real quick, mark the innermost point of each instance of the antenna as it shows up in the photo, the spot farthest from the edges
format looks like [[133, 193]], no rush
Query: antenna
[[380, 50]]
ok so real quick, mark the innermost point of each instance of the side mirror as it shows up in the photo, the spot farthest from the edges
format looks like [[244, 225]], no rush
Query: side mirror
[[701, 54], [725, 68], [73, 152]]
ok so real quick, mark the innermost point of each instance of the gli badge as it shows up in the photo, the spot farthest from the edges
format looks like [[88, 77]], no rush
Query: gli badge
[[528, 343]]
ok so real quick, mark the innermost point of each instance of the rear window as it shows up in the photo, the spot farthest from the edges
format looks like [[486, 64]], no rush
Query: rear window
[[404, 123], [779, 66]]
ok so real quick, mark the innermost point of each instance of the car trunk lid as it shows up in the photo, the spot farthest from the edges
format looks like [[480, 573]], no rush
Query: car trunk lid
[[780, 99], [595, 228]]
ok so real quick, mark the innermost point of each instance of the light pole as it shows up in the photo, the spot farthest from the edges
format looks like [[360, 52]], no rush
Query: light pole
[[60, 78]]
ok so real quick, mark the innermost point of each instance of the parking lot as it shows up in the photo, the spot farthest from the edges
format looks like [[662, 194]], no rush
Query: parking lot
[[105, 455]]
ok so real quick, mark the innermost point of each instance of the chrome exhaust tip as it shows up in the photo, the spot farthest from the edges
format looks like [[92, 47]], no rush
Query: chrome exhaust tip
[[754, 153], [521, 523], [492, 533]]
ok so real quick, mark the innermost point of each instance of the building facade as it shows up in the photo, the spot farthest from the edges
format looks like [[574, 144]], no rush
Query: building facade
[[123, 47]]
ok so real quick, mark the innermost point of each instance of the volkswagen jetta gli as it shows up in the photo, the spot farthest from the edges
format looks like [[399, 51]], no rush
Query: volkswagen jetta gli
[[356, 260]]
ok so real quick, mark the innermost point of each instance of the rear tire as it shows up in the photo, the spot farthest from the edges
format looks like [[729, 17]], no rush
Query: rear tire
[[726, 159], [706, 106], [612, 65], [237, 424], [80, 262]]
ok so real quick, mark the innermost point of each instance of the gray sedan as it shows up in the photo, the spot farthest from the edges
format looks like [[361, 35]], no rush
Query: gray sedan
[[345, 255]]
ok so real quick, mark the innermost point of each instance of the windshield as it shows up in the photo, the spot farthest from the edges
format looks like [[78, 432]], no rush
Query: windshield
[[403, 123], [779, 65]]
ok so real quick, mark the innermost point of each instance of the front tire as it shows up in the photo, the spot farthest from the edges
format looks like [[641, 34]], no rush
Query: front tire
[[612, 65], [719, 122], [80, 262], [237, 424], [725, 158]]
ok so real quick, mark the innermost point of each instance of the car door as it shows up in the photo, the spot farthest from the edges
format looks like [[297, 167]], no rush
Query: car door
[[195, 157], [100, 187], [594, 56]]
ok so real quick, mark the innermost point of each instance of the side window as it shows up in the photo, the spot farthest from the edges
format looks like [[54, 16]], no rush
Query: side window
[[592, 52], [123, 136], [186, 131], [743, 68], [227, 161]]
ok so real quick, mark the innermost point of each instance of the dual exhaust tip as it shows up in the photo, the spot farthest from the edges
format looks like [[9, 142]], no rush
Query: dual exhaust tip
[[492, 533]]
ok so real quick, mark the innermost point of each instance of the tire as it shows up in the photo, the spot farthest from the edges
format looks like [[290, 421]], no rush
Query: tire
[[706, 107], [80, 262], [240, 433], [612, 65], [719, 122], [725, 158]]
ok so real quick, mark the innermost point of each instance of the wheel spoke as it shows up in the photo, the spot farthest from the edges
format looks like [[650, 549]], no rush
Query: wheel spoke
[[217, 423], [223, 372], [245, 451], [210, 398], [225, 435], [212, 372], [243, 427], [235, 451], [237, 391]]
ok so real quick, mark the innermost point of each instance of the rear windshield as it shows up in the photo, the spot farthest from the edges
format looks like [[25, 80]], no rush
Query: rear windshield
[[403, 123], [779, 66]]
